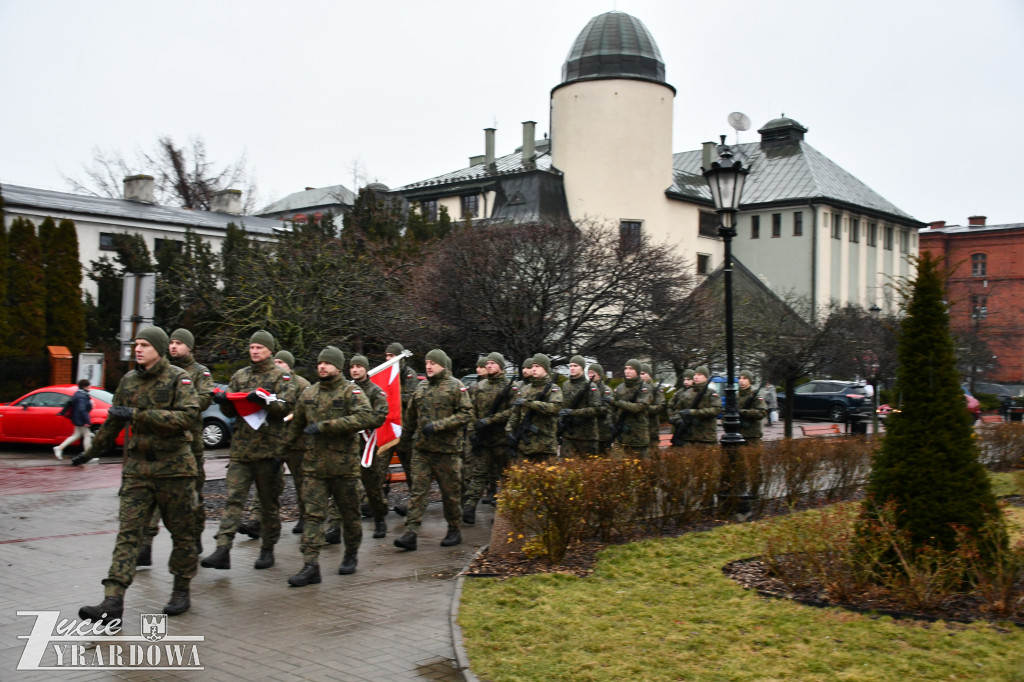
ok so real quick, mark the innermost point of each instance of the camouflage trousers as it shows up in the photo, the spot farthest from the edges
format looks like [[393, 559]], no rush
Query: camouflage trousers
[[577, 448], [153, 525], [373, 485], [446, 468], [176, 500], [266, 474], [319, 493], [482, 471]]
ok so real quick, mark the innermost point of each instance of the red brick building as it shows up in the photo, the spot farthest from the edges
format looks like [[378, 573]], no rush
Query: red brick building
[[986, 286]]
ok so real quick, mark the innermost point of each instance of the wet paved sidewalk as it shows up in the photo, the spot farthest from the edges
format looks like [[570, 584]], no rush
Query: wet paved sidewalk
[[388, 621]]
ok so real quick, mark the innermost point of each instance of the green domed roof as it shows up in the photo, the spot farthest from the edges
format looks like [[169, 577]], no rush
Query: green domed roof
[[614, 45]]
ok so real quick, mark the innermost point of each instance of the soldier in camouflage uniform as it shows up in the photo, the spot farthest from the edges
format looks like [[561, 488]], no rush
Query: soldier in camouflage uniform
[[631, 401], [752, 408], [604, 393], [654, 411], [180, 351], [256, 454], [373, 475], [681, 400], [581, 405], [533, 424], [470, 460], [157, 400], [492, 406], [435, 425], [332, 412], [701, 408]]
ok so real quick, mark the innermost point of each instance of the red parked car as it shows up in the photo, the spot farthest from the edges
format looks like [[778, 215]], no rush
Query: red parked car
[[33, 417]]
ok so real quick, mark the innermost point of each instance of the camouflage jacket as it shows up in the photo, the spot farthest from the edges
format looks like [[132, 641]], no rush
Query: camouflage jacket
[[409, 382], [654, 412], [443, 401], [752, 412], [340, 409], [604, 425], [166, 407], [295, 386], [486, 393], [704, 414], [542, 435], [680, 401], [582, 424], [249, 444], [202, 382], [631, 400]]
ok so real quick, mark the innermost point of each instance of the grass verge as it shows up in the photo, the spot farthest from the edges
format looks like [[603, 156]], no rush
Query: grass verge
[[662, 610]]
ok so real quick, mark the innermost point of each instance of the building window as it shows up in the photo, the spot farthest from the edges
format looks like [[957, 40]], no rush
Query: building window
[[798, 224], [107, 242], [755, 227], [629, 235], [428, 209], [708, 225], [776, 224], [979, 266], [888, 238], [173, 245], [872, 234], [904, 241], [470, 205], [837, 226], [854, 229], [703, 263], [979, 308]]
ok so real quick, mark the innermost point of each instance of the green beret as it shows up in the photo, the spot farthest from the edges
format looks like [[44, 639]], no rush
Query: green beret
[[332, 355], [185, 336], [157, 338], [264, 338]]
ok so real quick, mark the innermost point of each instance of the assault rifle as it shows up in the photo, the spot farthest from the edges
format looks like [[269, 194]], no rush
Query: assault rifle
[[619, 427], [526, 426], [476, 440], [684, 426], [565, 422]]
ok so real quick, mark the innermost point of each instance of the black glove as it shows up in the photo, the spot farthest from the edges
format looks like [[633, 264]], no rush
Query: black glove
[[685, 413], [675, 421], [482, 424], [565, 413], [221, 398], [518, 402], [79, 460], [311, 429], [606, 400], [255, 397], [427, 429], [121, 412]]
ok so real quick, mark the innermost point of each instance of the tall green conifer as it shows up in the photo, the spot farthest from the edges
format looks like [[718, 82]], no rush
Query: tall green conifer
[[26, 293], [65, 315], [4, 266]]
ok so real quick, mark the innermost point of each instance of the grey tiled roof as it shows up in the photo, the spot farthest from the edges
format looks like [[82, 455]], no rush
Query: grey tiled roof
[[312, 198], [44, 199], [504, 165], [792, 171]]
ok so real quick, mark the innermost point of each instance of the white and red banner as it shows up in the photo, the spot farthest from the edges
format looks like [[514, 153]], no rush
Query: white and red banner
[[253, 413], [388, 377]]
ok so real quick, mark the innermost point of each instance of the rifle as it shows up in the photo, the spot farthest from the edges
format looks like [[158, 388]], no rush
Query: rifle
[[526, 426], [685, 425], [475, 440], [564, 422], [619, 427]]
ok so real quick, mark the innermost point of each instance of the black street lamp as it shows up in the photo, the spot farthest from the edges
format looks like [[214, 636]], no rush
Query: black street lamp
[[726, 178], [875, 312]]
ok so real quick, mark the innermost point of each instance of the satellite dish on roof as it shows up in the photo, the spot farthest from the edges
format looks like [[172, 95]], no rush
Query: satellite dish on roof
[[739, 121]]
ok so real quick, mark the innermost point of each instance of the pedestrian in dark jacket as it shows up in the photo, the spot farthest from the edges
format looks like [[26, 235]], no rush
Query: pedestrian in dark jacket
[[78, 412]]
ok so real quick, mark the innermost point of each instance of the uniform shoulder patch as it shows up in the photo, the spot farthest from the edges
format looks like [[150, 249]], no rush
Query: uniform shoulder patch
[[286, 377], [643, 390], [356, 390], [206, 374], [593, 388], [186, 381], [462, 388], [554, 388]]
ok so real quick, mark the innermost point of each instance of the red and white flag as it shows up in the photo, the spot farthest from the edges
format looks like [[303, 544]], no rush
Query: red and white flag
[[388, 377]]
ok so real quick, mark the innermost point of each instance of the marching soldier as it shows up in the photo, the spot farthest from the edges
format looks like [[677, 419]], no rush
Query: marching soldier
[[701, 410], [434, 426], [158, 401], [581, 404], [752, 408], [631, 401], [604, 427], [654, 410], [331, 412], [533, 424], [373, 475], [492, 405]]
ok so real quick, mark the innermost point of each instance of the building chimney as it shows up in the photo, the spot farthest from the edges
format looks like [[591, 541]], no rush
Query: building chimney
[[227, 201], [976, 220], [710, 154], [489, 148], [529, 140], [936, 224], [139, 188]]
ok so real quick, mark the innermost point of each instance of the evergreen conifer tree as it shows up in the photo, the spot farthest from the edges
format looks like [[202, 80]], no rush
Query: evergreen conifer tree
[[928, 462], [4, 267], [65, 315], [26, 295]]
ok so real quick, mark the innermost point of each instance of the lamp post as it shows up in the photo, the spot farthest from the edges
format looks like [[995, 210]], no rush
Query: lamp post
[[875, 312], [726, 178]]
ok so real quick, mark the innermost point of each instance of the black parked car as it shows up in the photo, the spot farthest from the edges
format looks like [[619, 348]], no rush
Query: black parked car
[[828, 399]]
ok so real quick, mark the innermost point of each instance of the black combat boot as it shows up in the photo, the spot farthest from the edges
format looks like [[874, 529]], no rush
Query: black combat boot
[[254, 529], [178, 604], [401, 509], [266, 559], [453, 538], [299, 527], [365, 510], [380, 528], [221, 558], [309, 575], [199, 544], [107, 610], [333, 536], [469, 514], [407, 541], [348, 564], [145, 556], [244, 527]]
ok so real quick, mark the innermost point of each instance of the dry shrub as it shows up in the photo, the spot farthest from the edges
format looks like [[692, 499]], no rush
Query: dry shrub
[[793, 465], [610, 487], [1002, 445], [847, 463], [546, 504], [688, 480], [1000, 583]]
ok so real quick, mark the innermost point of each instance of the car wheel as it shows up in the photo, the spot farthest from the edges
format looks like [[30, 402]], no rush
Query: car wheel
[[837, 413], [214, 434]]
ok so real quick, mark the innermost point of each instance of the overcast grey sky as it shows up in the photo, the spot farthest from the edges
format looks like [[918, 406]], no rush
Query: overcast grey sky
[[920, 99]]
